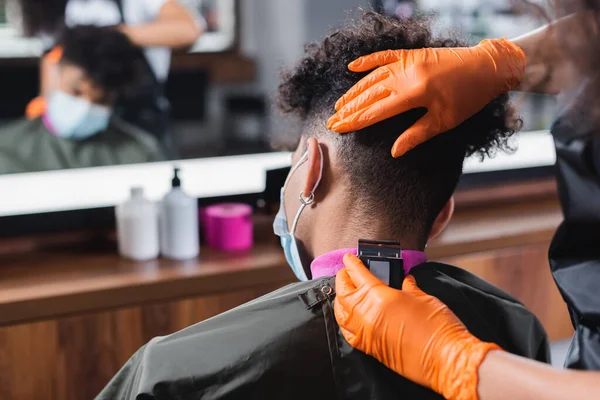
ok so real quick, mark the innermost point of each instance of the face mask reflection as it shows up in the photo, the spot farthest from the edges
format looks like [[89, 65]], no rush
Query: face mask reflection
[[75, 118]]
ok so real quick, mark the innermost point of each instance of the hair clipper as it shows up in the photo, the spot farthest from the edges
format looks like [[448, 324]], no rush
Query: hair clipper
[[384, 259]]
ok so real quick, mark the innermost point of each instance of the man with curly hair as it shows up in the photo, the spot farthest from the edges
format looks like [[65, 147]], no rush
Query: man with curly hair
[[287, 344], [98, 66]]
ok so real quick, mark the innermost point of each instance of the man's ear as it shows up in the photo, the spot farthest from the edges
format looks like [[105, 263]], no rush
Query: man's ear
[[315, 166], [442, 219]]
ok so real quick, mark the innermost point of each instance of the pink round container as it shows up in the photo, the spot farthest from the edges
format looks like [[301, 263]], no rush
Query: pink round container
[[228, 226]]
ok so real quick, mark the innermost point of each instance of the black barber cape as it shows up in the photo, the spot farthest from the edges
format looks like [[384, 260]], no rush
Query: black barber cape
[[575, 249], [287, 345]]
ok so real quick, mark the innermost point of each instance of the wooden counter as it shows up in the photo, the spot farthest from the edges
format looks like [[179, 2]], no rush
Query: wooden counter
[[72, 318], [49, 284]]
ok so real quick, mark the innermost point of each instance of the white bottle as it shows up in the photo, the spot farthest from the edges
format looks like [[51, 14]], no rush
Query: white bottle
[[137, 227], [179, 236]]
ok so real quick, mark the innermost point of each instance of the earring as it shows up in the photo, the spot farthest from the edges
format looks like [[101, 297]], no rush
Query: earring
[[308, 200]]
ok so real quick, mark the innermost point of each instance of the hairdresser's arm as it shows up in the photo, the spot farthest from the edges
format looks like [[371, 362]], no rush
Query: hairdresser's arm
[[419, 337], [506, 376], [549, 67], [175, 27], [48, 71]]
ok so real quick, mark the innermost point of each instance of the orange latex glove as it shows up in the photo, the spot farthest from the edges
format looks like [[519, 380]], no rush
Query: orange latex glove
[[452, 83], [409, 331], [36, 108]]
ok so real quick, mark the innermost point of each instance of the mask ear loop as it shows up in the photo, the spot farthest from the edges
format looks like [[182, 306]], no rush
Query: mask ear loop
[[295, 167], [310, 199]]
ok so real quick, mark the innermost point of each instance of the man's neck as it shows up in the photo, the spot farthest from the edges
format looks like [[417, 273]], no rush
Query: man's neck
[[335, 234]]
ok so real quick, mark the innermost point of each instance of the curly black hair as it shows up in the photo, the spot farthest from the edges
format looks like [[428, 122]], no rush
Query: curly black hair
[[107, 56], [410, 191]]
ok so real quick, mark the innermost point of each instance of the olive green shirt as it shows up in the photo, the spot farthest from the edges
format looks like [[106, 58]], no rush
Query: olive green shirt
[[29, 146]]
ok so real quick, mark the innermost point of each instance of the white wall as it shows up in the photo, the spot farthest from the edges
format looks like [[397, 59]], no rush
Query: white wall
[[274, 33]]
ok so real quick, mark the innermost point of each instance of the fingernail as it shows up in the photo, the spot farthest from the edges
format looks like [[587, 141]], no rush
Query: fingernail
[[337, 127], [331, 121], [397, 151], [354, 65]]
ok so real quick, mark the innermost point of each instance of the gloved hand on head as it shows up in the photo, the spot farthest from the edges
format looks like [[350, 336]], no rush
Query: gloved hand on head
[[451, 83], [411, 332]]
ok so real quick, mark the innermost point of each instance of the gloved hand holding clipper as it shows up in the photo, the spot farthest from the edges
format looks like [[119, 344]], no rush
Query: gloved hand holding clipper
[[420, 338], [412, 333]]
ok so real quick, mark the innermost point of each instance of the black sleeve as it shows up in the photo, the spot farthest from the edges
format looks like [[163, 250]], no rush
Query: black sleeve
[[575, 250]]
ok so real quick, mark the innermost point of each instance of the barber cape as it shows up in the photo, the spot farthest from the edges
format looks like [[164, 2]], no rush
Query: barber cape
[[29, 146], [287, 345]]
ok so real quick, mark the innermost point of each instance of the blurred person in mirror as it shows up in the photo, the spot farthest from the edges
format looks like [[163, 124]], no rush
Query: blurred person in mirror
[[78, 128], [157, 26], [340, 189]]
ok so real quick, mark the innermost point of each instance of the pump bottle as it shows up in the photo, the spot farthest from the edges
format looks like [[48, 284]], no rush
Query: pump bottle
[[179, 236]]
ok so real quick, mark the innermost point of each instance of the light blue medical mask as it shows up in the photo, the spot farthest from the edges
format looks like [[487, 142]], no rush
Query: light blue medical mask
[[74, 118], [280, 225]]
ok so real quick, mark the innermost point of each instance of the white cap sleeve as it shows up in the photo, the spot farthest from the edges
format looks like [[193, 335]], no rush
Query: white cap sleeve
[[153, 7]]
